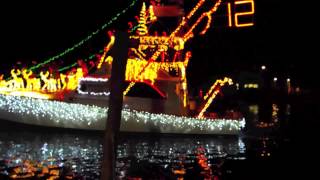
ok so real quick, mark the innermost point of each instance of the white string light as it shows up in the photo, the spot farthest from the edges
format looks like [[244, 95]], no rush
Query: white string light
[[92, 79], [88, 116]]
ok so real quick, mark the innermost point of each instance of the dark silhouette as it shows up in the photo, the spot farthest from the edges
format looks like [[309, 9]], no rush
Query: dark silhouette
[[119, 52]]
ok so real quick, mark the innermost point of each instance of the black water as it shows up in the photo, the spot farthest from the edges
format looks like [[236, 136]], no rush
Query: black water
[[285, 150]]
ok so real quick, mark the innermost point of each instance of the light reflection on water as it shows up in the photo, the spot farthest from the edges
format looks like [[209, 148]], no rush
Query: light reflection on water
[[77, 154], [272, 121], [80, 155]]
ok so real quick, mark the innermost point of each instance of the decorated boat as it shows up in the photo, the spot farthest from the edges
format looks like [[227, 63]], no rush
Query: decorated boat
[[156, 95]]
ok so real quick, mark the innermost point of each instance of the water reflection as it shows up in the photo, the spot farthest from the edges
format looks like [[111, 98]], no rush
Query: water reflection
[[274, 118], [32, 154], [174, 156], [77, 155], [254, 109], [67, 155]]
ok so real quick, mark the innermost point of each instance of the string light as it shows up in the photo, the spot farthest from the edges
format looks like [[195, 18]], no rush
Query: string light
[[72, 115], [186, 37], [75, 64], [142, 29], [213, 95], [134, 69], [251, 12], [47, 80], [141, 70], [134, 29], [125, 92], [90, 56], [203, 15], [176, 43], [138, 53], [68, 67], [161, 48], [94, 93], [255, 86], [152, 17], [229, 15], [37, 95], [71, 49], [92, 79], [103, 27], [185, 19], [106, 50], [219, 81], [45, 112], [198, 5]]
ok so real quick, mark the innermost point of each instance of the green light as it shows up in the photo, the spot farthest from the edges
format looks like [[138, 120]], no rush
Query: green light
[[48, 60], [75, 64], [91, 56], [134, 28]]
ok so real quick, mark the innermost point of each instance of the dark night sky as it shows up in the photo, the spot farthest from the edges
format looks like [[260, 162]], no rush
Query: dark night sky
[[35, 31]]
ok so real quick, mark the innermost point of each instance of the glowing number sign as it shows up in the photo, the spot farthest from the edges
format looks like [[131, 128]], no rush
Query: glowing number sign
[[236, 17]]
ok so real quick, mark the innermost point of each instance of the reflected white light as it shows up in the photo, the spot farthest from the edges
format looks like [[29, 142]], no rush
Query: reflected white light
[[288, 79]]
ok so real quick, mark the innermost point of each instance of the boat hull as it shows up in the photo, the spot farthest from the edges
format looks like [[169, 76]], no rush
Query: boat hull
[[87, 117]]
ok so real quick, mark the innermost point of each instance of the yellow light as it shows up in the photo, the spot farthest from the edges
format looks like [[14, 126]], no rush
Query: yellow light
[[237, 15], [73, 79], [16, 82], [179, 44], [187, 36], [31, 94], [219, 81], [49, 84], [44, 78], [214, 94], [128, 88], [109, 59], [255, 86], [134, 66], [229, 15], [134, 69], [63, 81], [138, 53], [106, 50], [205, 14], [26, 76], [154, 41], [184, 95], [198, 5], [208, 15], [151, 14], [142, 27]]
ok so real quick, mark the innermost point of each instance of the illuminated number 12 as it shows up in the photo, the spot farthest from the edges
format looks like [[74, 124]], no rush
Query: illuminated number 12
[[238, 14]]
